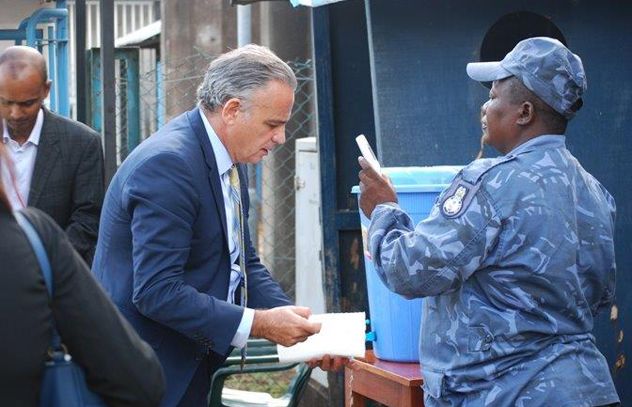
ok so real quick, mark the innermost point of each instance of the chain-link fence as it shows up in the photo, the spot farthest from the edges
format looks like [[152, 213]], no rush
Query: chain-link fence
[[276, 230], [122, 119], [167, 91]]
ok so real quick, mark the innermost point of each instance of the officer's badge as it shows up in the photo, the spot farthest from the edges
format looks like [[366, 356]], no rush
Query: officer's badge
[[453, 204]]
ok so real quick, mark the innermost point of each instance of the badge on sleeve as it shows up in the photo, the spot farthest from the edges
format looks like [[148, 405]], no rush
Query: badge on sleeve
[[457, 199], [453, 204]]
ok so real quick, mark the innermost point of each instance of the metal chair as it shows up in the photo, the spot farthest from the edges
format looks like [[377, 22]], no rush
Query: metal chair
[[262, 357]]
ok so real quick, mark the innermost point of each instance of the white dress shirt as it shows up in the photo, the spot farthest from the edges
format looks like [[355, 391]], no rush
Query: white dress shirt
[[23, 157], [224, 163]]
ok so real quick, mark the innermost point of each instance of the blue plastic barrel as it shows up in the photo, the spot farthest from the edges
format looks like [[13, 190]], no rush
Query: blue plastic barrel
[[394, 319]]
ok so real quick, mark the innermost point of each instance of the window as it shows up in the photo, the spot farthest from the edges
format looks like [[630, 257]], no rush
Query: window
[[512, 28]]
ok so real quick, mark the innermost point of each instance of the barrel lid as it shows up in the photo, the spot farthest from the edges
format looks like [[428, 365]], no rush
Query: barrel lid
[[419, 179]]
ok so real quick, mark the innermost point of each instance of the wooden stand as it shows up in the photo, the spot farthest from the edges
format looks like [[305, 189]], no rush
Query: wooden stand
[[390, 383]]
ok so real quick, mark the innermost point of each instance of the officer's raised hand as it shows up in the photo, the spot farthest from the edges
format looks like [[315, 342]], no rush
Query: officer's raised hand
[[375, 188]]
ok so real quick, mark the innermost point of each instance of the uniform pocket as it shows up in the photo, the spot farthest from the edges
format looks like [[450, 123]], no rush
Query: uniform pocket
[[480, 339]]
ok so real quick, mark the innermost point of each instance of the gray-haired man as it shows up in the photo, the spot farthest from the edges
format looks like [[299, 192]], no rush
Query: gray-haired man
[[174, 250], [517, 255]]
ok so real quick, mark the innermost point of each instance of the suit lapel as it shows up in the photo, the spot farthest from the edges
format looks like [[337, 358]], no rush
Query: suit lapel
[[200, 132], [48, 154]]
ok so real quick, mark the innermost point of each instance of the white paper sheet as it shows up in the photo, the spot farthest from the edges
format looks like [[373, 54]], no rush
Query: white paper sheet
[[340, 335], [312, 3]]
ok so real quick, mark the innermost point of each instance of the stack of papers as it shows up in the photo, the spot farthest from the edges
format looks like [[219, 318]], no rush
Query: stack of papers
[[340, 335]]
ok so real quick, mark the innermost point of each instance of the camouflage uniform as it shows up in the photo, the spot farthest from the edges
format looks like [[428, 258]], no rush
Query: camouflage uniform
[[515, 260]]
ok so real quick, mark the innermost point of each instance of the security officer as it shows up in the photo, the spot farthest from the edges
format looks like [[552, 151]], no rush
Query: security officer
[[517, 255]]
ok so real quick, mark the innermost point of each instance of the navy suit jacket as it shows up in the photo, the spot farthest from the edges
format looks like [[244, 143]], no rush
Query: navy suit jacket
[[162, 252]]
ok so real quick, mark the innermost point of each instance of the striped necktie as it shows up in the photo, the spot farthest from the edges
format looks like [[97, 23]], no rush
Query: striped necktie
[[238, 238]]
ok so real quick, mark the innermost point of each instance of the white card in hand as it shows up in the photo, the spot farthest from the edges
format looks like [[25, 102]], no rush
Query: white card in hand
[[340, 334], [368, 154]]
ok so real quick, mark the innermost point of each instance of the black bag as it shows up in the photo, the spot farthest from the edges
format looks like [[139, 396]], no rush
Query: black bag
[[63, 384]]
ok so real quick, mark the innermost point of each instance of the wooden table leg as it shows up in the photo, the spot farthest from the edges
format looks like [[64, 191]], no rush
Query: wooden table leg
[[352, 399], [412, 397]]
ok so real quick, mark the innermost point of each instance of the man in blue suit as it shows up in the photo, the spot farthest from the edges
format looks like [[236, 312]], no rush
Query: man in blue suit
[[165, 253]]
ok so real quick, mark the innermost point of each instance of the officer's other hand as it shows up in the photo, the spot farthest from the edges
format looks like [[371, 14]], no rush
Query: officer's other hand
[[286, 325], [375, 188], [329, 363]]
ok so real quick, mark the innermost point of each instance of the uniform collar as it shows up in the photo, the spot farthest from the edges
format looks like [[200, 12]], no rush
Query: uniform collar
[[222, 158], [543, 142]]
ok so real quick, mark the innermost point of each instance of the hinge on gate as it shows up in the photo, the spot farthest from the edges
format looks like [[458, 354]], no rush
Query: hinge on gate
[[298, 183]]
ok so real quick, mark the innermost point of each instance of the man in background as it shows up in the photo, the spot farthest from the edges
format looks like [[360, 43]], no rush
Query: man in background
[[58, 162]]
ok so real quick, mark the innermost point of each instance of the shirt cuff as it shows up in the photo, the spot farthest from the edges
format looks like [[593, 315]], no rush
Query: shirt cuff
[[243, 330], [386, 206]]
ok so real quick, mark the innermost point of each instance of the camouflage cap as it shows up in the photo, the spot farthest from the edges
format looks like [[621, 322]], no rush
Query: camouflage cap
[[546, 67]]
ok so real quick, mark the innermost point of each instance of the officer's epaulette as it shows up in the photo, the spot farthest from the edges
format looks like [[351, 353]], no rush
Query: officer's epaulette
[[477, 168]]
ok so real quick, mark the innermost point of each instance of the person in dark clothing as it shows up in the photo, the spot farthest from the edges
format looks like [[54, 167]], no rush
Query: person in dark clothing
[[58, 161], [119, 366]]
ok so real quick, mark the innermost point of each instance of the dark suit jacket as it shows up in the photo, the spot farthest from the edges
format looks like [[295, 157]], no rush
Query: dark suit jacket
[[118, 364], [67, 180], [162, 252]]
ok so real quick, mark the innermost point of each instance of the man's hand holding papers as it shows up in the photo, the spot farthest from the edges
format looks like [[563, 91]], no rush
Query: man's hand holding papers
[[341, 336]]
